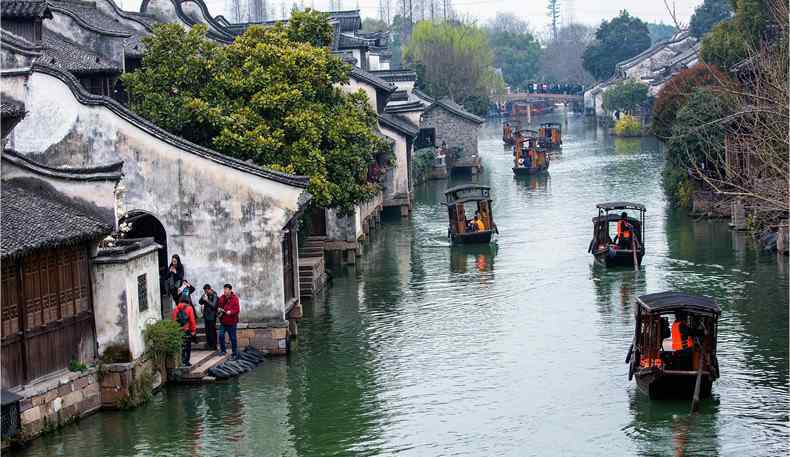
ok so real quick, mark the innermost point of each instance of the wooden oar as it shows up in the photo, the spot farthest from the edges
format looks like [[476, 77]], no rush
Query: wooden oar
[[633, 250], [698, 385]]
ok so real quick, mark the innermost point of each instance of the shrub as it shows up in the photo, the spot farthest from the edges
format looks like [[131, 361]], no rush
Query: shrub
[[676, 91], [116, 353], [76, 365], [163, 339], [626, 96], [422, 163], [627, 126]]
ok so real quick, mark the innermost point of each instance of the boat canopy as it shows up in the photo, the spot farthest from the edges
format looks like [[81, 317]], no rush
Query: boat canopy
[[528, 132], [550, 124], [663, 302], [467, 192], [613, 218], [620, 205]]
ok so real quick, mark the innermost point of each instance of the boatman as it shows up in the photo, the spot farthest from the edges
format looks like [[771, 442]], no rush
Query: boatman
[[478, 223], [681, 338], [624, 231]]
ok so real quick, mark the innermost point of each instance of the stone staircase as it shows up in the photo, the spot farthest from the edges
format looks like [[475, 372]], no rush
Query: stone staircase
[[312, 267], [201, 362]]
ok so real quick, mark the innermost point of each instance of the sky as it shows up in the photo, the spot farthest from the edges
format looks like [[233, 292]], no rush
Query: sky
[[590, 12]]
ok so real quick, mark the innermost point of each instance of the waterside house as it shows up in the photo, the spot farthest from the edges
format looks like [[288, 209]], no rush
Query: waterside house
[[654, 67]]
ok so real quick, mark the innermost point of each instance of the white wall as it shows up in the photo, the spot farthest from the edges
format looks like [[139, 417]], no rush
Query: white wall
[[116, 306], [397, 180]]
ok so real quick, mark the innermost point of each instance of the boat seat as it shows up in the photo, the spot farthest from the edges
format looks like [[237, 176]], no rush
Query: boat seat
[[666, 345]]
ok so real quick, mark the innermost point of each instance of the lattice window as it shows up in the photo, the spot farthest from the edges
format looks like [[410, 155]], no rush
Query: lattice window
[[142, 293]]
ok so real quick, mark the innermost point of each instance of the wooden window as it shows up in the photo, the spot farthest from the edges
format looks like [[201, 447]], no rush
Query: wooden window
[[142, 293]]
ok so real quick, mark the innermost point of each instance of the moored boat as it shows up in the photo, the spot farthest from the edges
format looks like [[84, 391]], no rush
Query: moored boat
[[677, 360]]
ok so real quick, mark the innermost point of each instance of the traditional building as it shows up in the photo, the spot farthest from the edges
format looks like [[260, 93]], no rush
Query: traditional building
[[654, 67]]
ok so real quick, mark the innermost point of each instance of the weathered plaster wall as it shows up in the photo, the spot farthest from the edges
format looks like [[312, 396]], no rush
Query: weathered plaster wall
[[355, 85], [116, 306], [225, 223], [452, 129], [107, 8], [14, 60], [396, 183], [350, 228], [110, 47], [413, 116], [164, 11]]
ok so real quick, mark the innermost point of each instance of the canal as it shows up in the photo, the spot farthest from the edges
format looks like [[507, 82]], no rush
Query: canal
[[513, 350]]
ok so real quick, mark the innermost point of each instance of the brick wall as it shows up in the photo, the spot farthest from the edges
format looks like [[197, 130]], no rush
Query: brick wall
[[452, 129], [268, 338]]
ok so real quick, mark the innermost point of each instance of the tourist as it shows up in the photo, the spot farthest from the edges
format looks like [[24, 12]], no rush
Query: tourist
[[229, 317], [185, 317], [185, 293], [174, 276], [479, 224], [208, 308]]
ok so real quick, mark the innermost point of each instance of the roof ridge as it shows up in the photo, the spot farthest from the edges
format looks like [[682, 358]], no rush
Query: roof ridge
[[109, 172], [87, 98]]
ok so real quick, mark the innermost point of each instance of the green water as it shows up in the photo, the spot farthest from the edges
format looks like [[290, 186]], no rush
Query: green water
[[513, 350]]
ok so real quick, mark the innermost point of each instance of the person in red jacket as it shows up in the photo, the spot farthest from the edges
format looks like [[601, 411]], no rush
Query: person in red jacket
[[228, 308], [184, 315]]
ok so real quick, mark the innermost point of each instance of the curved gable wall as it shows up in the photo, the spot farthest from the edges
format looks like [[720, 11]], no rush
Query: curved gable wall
[[225, 223]]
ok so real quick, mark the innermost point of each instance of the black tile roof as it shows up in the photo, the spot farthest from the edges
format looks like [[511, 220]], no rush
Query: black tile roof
[[24, 9], [11, 108], [365, 76], [450, 106], [399, 124], [36, 216], [89, 16], [67, 55]]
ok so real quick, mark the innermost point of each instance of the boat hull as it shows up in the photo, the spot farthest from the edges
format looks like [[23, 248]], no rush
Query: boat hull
[[521, 171], [619, 258], [659, 385], [483, 237]]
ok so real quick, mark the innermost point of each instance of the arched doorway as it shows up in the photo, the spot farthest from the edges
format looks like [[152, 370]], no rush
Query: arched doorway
[[145, 225]]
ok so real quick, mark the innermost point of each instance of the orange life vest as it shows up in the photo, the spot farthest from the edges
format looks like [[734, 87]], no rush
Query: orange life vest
[[480, 225], [678, 342], [622, 230]]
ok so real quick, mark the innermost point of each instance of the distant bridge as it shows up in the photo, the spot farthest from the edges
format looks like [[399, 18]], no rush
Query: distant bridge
[[545, 98]]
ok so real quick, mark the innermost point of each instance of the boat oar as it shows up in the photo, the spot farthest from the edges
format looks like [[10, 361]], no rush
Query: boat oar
[[698, 385], [633, 251]]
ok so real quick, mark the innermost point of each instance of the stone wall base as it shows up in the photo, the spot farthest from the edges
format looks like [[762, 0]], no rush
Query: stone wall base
[[126, 385], [57, 400], [265, 337]]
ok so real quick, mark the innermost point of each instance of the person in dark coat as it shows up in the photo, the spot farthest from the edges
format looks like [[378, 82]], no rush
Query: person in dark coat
[[174, 276], [208, 302]]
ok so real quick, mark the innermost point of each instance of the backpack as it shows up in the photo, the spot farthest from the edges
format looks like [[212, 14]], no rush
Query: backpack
[[181, 317]]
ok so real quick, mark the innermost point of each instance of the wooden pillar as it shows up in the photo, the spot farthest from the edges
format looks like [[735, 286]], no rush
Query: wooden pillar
[[529, 113]]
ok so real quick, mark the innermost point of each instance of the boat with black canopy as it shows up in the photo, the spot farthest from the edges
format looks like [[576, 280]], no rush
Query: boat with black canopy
[[550, 134], [623, 246], [529, 157], [470, 217], [678, 359]]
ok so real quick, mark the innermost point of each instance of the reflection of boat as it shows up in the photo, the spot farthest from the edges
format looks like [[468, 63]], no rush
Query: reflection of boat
[[533, 182], [461, 229], [481, 254], [679, 361], [626, 249], [550, 134], [529, 157]]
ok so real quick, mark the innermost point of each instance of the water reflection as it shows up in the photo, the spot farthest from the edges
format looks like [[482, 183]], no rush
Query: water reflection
[[534, 183], [478, 258]]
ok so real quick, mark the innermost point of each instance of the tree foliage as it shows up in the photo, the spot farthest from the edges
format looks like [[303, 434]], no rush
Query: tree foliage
[[676, 91], [698, 131], [707, 15], [516, 51], [452, 60], [619, 39], [660, 32], [627, 95], [729, 41], [266, 98]]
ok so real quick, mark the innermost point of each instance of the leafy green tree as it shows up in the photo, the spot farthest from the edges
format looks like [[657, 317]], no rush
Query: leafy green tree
[[516, 50], [619, 39], [698, 133], [707, 15], [309, 27], [264, 98], [672, 97], [451, 59], [627, 95], [729, 41]]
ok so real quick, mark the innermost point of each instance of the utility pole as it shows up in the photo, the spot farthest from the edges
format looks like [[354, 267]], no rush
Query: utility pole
[[554, 16]]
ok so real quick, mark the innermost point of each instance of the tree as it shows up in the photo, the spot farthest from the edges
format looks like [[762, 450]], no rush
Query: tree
[[627, 96], [561, 59], [730, 41], [554, 16], [451, 59], [707, 15], [619, 39], [676, 91], [724, 46], [698, 133], [516, 50], [264, 98]]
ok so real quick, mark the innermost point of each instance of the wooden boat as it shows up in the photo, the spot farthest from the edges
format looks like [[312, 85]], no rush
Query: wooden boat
[[550, 134], [459, 198], [609, 250], [529, 158], [508, 133], [681, 364]]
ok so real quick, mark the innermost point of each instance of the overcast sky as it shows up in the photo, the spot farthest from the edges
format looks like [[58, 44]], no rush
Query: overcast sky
[[534, 11]]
